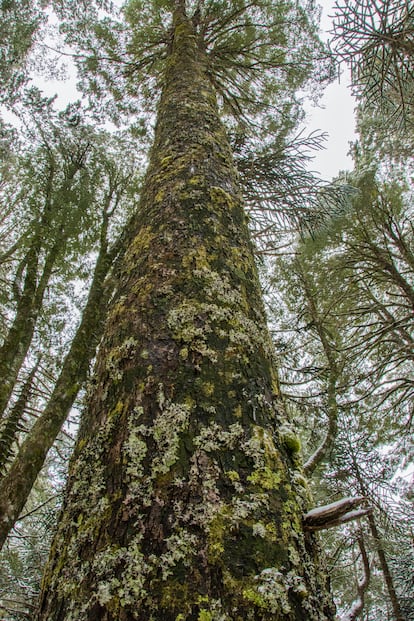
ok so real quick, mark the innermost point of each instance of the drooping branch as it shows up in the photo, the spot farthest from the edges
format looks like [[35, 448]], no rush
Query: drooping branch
[[377, 40], [281, 191]]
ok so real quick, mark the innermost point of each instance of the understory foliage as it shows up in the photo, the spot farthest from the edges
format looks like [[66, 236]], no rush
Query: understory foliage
[[340, 302]]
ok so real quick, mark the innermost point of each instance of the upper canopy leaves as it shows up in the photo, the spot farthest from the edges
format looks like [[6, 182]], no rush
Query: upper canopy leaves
[[377, 39], [258, 53]]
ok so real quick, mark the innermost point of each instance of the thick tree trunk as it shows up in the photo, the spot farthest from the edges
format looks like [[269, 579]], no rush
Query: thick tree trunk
[[184, 499]]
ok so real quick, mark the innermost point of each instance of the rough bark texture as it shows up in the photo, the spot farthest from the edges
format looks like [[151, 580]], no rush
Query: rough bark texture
[[185, 498]]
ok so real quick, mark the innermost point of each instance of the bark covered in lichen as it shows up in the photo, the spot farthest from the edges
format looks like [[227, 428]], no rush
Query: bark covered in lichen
[[185, 497]]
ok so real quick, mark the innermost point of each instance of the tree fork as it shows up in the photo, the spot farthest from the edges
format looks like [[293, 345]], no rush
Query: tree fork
[[185, 496]]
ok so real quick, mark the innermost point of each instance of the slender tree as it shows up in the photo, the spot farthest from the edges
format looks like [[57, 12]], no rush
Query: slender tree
[[20, 22], [17, 483], [109, 186], [185, 497], [347, 359]]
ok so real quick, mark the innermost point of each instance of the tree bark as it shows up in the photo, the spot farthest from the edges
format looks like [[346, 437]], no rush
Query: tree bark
[[185, 497]]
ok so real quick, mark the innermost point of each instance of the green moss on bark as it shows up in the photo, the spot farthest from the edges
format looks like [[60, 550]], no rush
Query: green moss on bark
[[182, 503]]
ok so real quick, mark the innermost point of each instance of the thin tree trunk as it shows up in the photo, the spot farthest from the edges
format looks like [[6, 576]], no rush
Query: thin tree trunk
[[16, 485], [29, 304], [12, 346], [333, 374], [184, 501], [362, 583], [389, 582], [17, 342], [11, 426]]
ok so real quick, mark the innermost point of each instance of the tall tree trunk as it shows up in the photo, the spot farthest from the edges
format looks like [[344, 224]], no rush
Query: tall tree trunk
[[388, 579], [17, 483], [17, 342], [184, 499]]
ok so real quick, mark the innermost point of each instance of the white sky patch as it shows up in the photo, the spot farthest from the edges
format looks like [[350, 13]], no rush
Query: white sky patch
[[333, 115]]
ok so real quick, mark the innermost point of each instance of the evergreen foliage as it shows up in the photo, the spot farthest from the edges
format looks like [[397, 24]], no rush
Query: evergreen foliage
[[341, 305]]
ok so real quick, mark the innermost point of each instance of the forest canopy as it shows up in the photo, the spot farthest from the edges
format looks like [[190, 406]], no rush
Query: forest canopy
[[133, 227]]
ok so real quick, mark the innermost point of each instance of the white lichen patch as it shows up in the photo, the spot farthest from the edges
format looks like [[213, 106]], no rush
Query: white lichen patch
[[87, 471], [184, 322], [181, 547], [135, 449], [203, 475], [214, 437], [222, 311], [121, 573], [119, 354], [218, 288], [273, 589], [170, 423], [261, 447], [259, 530], [166, 429], [245, 508]]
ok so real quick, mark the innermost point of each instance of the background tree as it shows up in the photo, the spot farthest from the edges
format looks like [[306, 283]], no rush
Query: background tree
[[345, 335], [78, 242], [377, 39], [20, 24]]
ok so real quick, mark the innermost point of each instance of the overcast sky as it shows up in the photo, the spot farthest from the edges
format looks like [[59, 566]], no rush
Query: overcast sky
[[334, 115]]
